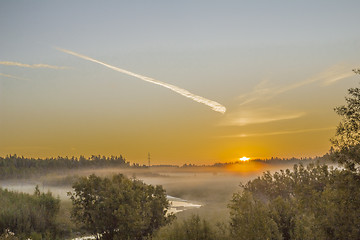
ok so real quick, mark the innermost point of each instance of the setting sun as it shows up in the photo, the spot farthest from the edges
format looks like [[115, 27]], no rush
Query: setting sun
[[244, 159]]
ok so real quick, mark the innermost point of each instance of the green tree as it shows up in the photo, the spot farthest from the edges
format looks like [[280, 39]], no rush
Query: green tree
[[192, 228], [29, 215], [250, 219], [119, 208], [346, 143], [313, 202]]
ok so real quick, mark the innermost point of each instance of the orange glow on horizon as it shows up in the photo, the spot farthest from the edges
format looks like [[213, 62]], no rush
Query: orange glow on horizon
[[247, 167], [244, 159]]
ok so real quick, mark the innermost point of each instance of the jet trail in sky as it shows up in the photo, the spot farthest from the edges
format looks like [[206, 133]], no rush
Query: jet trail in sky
[[14, 77], [214, 105], [279, 133], [40, 65]]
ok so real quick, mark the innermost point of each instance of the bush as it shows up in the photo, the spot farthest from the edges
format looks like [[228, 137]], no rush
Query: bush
[[193, 228], [119, 208], [27, 215], [307, 203]]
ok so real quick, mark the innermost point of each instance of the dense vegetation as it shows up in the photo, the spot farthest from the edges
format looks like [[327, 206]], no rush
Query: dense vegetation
[[307, 202], [14, 166], [346, 143], [29, 215], [312, 202], [119, 208], [194, 228]]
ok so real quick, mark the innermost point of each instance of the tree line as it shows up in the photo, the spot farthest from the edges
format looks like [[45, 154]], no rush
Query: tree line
[[13, 166], [282, 161]]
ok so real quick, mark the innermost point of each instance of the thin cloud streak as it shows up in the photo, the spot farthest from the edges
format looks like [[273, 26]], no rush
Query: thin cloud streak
[[327, 77], [13, 77], [279, 133], [336, 78], [262, 92], [212, 104], [17, 64], [264, 115]]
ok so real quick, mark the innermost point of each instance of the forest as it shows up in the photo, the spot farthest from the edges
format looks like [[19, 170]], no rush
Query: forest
[[13, 166]]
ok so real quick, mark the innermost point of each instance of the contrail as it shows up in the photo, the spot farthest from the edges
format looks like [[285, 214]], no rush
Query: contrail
[[14, 77], [279, 133], [214, 105], [31, 65], [327, 77], [262, 116]]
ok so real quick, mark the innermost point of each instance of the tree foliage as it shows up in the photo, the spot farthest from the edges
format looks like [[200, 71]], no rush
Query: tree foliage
[[346, 143], [250, 219], [119, 208], [28, 215], [313, 202], [193, 228]]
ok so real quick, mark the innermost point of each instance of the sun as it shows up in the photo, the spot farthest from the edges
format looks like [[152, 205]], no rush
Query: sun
[[244, 159]]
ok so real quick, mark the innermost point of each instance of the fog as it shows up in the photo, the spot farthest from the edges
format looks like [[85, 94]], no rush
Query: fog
[[202, 190]]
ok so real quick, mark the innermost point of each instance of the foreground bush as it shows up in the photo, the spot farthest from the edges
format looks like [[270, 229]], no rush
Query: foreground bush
[[28, 215], [193, 228], [307, 203], [119, 208]]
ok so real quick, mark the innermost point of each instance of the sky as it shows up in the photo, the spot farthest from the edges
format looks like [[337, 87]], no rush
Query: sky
[[133, 77]]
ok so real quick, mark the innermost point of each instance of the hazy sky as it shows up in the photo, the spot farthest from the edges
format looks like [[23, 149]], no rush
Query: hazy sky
[[279, 68]]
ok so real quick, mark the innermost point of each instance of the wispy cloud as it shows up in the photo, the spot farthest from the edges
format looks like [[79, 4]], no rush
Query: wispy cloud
[[212, 104], [244, 135], [337, 75], [327, 77], [246, 115], [17, 64], [13, 77], [259, 115]]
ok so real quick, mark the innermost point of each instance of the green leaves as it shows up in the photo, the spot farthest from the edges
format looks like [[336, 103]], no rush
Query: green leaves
[[346, 143], [313, 202], [26, 214], [119, 207]]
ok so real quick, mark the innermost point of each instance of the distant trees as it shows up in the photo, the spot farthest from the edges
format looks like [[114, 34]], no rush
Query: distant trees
[[346, 143], [279, 161], [119, 208], [28, 215], [14, 166], [312, 202]]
